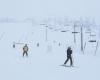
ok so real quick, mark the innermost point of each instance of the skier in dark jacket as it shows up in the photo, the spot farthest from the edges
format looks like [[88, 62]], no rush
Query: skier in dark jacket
[[25, 50], [13, 45], [69, 56], [37, 44]]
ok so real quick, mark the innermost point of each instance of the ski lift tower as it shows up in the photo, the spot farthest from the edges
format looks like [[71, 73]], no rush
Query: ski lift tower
[[46, 31], [82, 38], [75, 32]]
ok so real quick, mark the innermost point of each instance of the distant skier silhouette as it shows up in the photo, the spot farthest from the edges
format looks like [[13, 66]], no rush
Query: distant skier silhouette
[[13, 45], [59, 44], [69, 56], [25, 50], [37, 44]]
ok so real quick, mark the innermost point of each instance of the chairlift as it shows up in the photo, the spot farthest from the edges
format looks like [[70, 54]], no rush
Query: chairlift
[[92, 41], [92, 35], [88, 29], [75, 32], [42, 24], [20, 43], [66, 25], [87, 32], [63, 31], [50, 28], [56, 29]]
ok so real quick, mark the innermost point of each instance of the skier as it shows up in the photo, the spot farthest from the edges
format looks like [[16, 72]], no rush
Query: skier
[[59, 44], [25, 50], [13, 45], [37, 44], [69, 56]]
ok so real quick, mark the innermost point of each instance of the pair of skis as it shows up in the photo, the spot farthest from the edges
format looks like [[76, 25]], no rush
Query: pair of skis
[[67, 66]]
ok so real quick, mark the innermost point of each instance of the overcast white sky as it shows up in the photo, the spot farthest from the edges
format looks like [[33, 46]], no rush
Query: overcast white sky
[[42, 8]]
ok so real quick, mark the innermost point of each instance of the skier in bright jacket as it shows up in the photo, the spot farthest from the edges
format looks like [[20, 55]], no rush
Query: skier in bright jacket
[[25, 50]]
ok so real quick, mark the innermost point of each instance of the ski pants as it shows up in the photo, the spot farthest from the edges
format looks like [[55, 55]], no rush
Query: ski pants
[[69, 58], [25, 52]]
